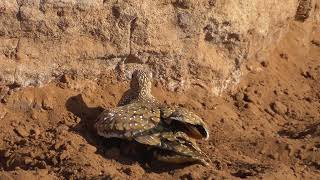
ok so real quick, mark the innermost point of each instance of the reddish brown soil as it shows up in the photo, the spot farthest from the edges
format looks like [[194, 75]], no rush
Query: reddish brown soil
[[269, 127]]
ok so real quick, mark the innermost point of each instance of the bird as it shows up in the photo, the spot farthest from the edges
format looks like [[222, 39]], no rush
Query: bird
[[142, 118]]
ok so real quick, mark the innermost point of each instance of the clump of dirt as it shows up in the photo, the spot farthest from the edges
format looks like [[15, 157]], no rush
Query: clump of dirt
[[269, 127]]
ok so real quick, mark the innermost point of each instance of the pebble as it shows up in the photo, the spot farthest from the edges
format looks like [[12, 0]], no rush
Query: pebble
[[28, 160], [265, 63], [274, 156], [3, 112], [248, 97], [239, 96], [3, 91], [116, 11], [21, 131], [279, 108], [316, 42], [58, 144], [42, 156], [128, 171], [35, 131], [61, 129], [42, 165], [54, 161], [188, 176], [7, 153], [87, 148], [47, 103], [284, 56], [184, 19]]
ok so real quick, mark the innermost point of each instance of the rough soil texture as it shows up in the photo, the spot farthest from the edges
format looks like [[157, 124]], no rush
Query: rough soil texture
[[185, 42], [267, 127]]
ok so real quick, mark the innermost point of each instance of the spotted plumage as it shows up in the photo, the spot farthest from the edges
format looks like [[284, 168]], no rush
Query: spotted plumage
[[143, 119]]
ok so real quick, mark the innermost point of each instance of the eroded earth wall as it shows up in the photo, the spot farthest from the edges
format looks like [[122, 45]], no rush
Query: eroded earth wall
[[185, 42]]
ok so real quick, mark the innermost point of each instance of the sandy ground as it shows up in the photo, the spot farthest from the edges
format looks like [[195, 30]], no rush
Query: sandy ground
[[268, 127]]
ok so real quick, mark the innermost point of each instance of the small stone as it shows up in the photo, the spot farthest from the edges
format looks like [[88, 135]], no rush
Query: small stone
[[77, 120], [42, 165], [58, 144], [240, 104], [188, 176], [279, 108], [28, 160], [7, 153], [265, 63], [316, 42], [35, 131], [127, 171], [61, 129], [22, 142], [184, 19], [274, 156], [307, 74], [34, 114], [21, 131], [308, 136], [262, 151], [284, 56], [314, 149], [249, 67], [54, 161], [32, 154], [239, 96], [47, 103], [87, 148], [212, 2], [3, 112], [3, 91], [42, 156], [116, 11], [248, 97]]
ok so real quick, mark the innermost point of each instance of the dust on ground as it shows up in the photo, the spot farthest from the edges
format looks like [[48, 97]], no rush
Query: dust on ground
[[268, 127]]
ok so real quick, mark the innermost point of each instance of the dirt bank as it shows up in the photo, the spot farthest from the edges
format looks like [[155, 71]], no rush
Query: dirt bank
[[268, 127]]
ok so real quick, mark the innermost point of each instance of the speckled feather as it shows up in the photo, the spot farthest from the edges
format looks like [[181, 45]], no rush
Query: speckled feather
[[141, 120], [139, 116], [128, 121], [185, 147]]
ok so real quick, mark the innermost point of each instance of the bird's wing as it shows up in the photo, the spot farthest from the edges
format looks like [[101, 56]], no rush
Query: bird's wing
[[179, 147], [127, 121], [186, 121]]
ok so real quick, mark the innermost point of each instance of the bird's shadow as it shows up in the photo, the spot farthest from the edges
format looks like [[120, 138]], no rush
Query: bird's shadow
[[85, 128], [112, 148]]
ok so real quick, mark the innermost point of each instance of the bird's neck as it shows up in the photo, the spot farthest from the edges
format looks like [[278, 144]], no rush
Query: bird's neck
[[144, 93]]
